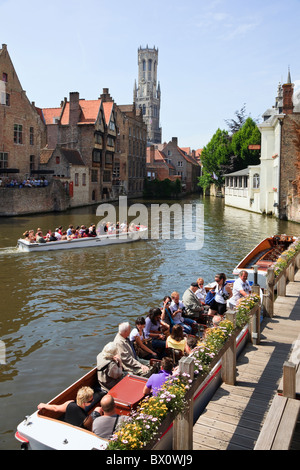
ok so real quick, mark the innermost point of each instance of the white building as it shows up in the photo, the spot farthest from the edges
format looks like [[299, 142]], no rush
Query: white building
[[256, 188]]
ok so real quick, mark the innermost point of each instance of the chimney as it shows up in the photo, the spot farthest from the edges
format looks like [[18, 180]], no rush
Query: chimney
[[175, 141], [74, 111], [152, 154], [288, 90], [105, 97]]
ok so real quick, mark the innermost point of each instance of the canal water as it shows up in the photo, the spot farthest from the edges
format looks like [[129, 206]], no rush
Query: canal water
[[58, 309]]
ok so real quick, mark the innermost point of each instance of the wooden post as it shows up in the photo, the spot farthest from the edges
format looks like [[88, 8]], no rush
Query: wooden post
[[281, 285], [291, 271], [183, 423], [289, 380], [269, 298], [255, 326], [229, 364], [231, 316]]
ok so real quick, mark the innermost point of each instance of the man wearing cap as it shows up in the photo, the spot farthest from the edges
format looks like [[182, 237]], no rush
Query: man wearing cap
[[193, 307]]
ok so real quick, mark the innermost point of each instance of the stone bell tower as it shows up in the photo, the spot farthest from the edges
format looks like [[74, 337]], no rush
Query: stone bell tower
[[146, 94]]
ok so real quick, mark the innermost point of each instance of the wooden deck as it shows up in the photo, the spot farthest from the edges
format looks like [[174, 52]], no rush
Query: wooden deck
[[235, 415]]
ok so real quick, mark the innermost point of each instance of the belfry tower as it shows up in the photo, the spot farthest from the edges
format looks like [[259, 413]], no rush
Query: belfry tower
[[146, 95]]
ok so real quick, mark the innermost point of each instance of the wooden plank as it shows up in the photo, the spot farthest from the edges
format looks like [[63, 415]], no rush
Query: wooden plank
[[288, 422], [269, 429]]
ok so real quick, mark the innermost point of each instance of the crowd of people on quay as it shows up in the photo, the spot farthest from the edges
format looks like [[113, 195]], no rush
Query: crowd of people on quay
[[80, 231], [151, 349], [25, 183]]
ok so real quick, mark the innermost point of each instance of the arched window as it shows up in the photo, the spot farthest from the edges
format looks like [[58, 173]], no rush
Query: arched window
[[144, 109], [144, 65], [256, 181], [150, 65]]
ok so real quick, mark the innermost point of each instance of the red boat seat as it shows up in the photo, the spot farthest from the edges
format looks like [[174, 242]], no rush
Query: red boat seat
[[128, 393]]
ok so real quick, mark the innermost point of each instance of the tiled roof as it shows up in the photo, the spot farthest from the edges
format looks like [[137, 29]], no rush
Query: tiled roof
[[50, 114], [107, 107], [45, 155], [72, 156]]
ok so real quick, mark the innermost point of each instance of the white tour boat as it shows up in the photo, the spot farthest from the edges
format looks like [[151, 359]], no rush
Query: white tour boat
[[99, 240], [44, 429]]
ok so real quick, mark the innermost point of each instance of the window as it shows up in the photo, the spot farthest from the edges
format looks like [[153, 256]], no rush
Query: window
[[3, 159], [4, 77], [83, 179], [108, 159], [57, 160], [4, 98], [144, 109], [256, 181], [94, 176], [31, 136], [150, 65], [110, 141], [106, 176], [76, 179], [112, 125], [98, 139], [179, 163], [18, 134], [97, 156]]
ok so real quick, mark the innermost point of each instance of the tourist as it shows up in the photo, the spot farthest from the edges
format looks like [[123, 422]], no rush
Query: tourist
[[216, 321], [126, 352], [156, 381], [192, 304], [75, 412], [241, 288], [69, 231], [141, 345], [107, 420], [177, 340], [109, 366], [39, 237], [222, 294], [201, 292], [166, 314], [57, 234], [177, 310], [157, 330]]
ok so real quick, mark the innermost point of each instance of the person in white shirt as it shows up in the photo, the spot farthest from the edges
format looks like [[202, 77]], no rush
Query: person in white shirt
[[241, 288], [201, 292]]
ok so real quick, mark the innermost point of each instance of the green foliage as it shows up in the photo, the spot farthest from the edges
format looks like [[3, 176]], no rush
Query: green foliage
[[213, 157], [247, 135], [162, 189]]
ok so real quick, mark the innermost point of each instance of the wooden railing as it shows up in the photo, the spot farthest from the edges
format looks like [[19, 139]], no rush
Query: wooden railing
[[183, 423], [279, 282]]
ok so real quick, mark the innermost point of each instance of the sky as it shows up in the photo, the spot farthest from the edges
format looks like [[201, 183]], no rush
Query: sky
[[214, 56]]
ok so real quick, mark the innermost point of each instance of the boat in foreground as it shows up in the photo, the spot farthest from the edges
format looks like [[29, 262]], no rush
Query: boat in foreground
[[45, 429], [99, 240], [264, 255]]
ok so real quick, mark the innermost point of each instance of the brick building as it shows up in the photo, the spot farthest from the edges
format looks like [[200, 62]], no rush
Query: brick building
[[22, 131], [130, 161], [289, 183], [180, 164], [88, 126]]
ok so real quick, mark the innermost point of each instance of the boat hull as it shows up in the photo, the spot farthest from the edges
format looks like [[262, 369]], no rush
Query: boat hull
[[42, 432], [264, 256], [89, 242]]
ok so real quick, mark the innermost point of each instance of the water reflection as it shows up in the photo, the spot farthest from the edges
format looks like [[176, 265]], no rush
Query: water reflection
[[58, 309]]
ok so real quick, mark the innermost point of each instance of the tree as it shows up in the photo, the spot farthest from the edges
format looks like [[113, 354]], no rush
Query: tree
[[248, 135], [236, 124], [214, 156]]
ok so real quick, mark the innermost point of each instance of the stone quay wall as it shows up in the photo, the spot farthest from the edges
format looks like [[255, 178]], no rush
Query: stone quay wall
[[21, 201]]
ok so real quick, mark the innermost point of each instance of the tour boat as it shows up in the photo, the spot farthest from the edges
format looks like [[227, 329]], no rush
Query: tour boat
[[99, 240], [46, 429], [264, 255]]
